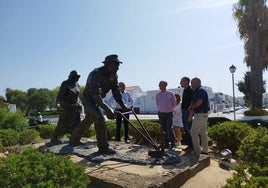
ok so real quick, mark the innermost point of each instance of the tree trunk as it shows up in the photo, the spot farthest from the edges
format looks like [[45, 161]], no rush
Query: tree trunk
[[256, 78]]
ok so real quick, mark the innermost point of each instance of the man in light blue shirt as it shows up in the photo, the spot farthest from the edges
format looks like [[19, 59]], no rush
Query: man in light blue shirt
[[128, 101]]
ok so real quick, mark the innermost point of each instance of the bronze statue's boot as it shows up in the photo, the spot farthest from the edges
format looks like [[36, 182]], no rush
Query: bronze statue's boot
[[76, 143], [55, 141], [106, 151]]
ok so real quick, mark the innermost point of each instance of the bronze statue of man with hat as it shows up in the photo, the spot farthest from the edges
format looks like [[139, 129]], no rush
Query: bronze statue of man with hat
[[99, 82]]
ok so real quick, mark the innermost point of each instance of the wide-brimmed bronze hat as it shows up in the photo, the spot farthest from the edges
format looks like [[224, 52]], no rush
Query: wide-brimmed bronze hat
[[112, 58]]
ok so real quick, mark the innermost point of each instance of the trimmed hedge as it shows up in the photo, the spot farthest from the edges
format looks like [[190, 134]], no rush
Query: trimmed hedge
[[253, 171], [46, 131], [229, 135], [256, 112], [10, 120], [28, 136], [35, 169], [9, 137]]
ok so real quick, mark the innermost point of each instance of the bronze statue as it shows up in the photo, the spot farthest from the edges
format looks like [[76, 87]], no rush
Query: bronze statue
[[68, 106], [99, 82]]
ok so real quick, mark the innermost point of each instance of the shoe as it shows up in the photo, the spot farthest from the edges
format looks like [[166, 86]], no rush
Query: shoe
[[185, 149], [177, 144], [204, 153], [127, 141], [118, 140], [106, 151]]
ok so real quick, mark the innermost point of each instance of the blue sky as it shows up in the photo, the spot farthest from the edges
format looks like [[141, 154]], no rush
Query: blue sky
[[41, 41]]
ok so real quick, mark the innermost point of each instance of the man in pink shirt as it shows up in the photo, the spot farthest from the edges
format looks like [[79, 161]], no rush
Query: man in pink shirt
[[166, 101]]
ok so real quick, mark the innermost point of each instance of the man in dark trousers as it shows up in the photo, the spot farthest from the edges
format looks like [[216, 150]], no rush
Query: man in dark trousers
[[187, 98], [68, 106], [166, 101], [128, 101], [99, 82]]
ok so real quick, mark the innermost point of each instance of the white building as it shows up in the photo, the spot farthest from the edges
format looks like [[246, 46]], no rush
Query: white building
[[144, 102]]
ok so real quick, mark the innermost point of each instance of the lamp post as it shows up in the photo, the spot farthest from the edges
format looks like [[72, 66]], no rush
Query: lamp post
[[232, 70]]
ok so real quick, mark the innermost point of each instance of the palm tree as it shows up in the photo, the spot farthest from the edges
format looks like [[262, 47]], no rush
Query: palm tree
[[252, 20]]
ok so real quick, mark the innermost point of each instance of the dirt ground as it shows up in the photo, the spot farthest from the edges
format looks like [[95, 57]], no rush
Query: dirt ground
[[212, 176]]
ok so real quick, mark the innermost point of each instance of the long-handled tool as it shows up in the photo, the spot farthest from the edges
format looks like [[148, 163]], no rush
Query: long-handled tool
[[159, 151]]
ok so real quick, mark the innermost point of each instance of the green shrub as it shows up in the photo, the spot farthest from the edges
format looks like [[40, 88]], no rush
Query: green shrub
[[46, 131], [35, 169], [152, 126], [253, 172], [1, 146], [9, 137], [229, 135], [216, 120], [90, 132], [256, 112], [111, 129], [254, 148], [243, 179], [28, 136], [10, 120], [50, 113]]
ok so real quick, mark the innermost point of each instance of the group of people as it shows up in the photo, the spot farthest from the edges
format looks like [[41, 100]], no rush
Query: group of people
[[189, 113]]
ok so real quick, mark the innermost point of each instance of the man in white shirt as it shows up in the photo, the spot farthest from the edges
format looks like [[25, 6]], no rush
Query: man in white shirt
[[128, 101]]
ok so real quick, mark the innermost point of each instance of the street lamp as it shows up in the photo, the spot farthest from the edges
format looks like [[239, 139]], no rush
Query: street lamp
[[232, 70]]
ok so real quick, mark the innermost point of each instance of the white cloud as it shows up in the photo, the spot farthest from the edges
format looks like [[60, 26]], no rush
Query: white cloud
[[205, 4]]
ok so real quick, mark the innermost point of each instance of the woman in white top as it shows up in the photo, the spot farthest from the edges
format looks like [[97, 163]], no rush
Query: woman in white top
[[177, 119]]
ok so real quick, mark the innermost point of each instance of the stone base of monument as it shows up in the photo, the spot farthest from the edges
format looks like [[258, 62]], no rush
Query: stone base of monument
[[131, 166]]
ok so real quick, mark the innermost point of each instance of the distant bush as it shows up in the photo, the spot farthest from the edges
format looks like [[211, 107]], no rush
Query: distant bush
[[10, 120], [28, 136], [90, 132], [35, 169], [152, 126], [256, 112], [50, 113], [229, 135], [46, 131], [111, 129], [9, 137]]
